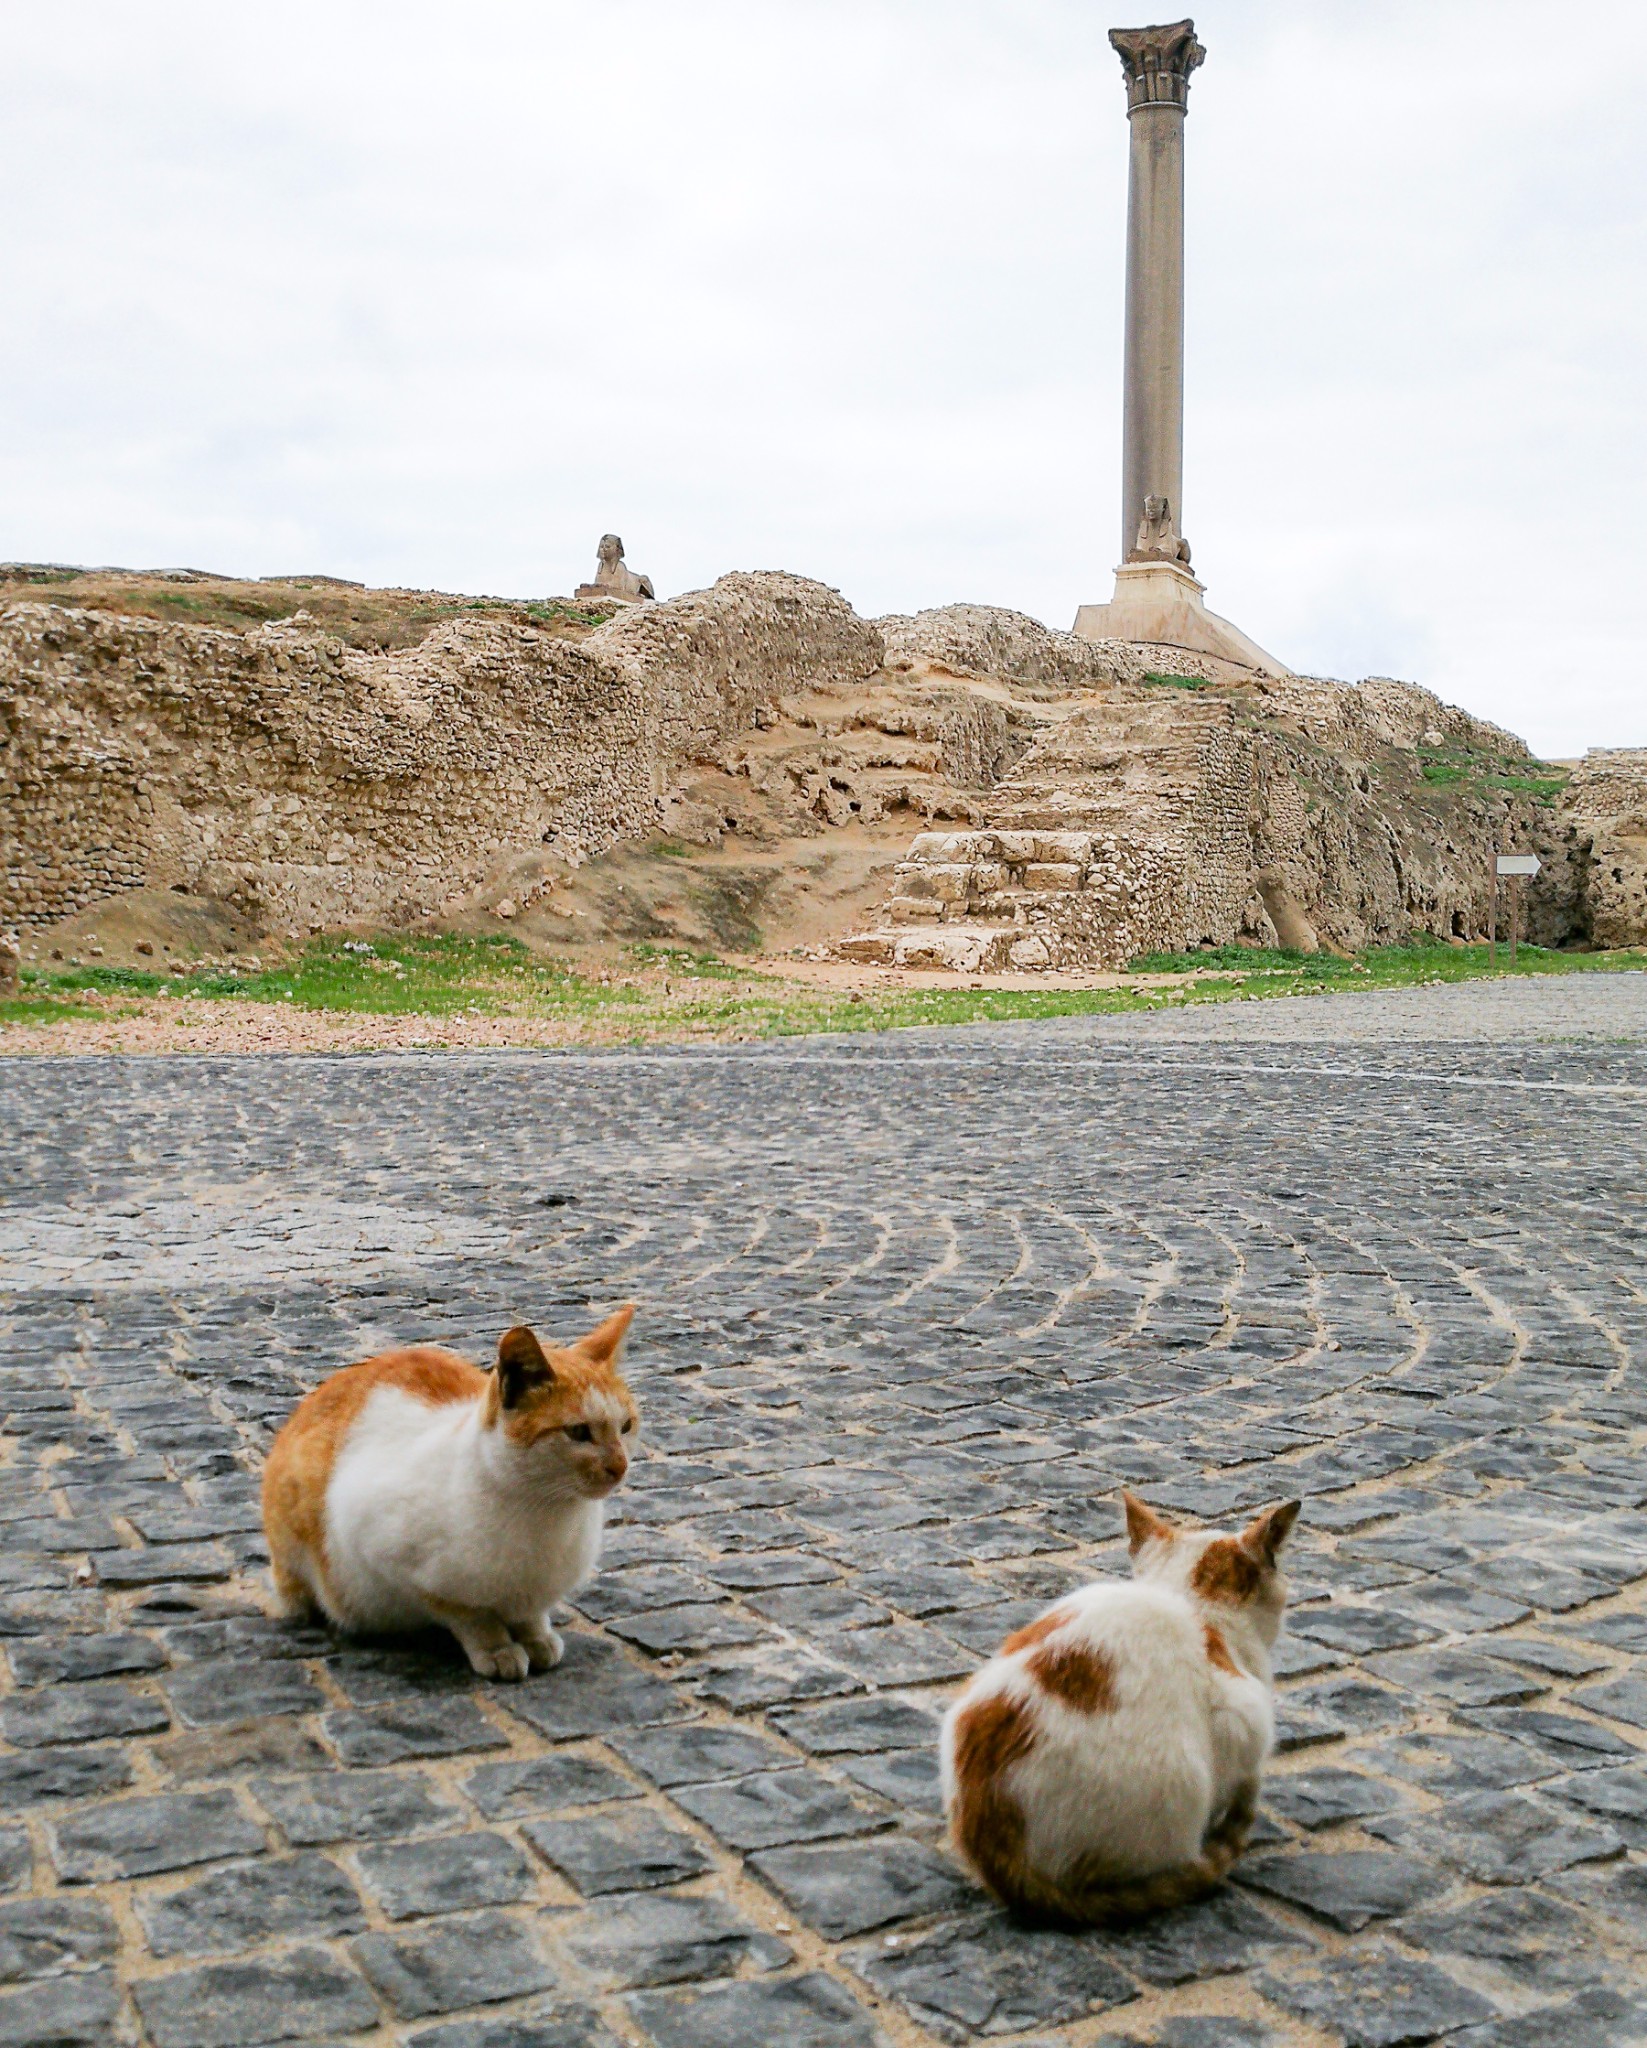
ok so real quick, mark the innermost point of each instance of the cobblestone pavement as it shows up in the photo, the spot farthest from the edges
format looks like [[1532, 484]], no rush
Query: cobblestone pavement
[[911, 1308]]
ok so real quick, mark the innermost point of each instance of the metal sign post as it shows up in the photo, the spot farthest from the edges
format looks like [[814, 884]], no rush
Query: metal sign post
[[1492, 915], [1515, 865]]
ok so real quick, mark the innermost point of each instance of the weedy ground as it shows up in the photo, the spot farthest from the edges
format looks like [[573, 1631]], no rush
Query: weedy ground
[[466, 990]]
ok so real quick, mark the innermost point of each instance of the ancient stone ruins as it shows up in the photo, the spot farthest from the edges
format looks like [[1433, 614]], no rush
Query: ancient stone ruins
[[988, 794], [1013, 796]]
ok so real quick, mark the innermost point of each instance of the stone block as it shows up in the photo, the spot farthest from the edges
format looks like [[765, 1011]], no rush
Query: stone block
[[659, 1938], [809, 2011], [444, 1874], [797, 1805], [138, 1837], [80, 2011], [477, 1960], [43, 1937], [304, 1995], [545, 1784], [852, 1888], [631, 1851], [1048, 877], [334, 1806], [250, 1904]]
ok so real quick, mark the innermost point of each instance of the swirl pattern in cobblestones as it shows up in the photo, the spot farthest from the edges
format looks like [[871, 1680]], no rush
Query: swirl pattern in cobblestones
[[912, 1308]]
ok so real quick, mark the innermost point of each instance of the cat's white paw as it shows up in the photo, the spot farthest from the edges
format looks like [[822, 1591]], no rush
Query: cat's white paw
[[509, 1663], [545, 1648]]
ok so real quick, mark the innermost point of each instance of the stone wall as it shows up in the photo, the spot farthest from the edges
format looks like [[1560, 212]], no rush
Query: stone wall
[[1598, 861], [1143, 818], [310, 783]]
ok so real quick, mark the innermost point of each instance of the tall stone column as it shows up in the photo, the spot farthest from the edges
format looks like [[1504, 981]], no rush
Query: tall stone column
[[1158, 63], [1157, 601]]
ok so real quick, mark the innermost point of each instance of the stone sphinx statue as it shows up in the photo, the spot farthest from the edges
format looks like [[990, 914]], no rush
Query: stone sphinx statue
[[613, 577], [1158, 539]]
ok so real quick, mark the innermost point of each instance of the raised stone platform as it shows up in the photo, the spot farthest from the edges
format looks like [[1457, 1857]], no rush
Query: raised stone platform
[[1159, 603]]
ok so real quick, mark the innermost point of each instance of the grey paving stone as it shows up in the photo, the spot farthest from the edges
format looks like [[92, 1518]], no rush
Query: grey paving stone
[[859, 1726], [661, 1938], [1618, 1797], [72, 1659], [629, 1851], [538, 2025], [906, 1778], [1568, 1740], [808, 2011], [695, 1752], [81, 2011], [1227, 1932], [42, 1937], [545, 1784], [772, 1679], [42, 1774], [1560, 1660], [478, 1960], [443, 1874], [985, 1977], [390, 1735], [138, 1837], [204, 1694], [774, 1807], [1621, 1699], [1323, 1797], [1595, 2019], [851, 1888], [165, 1564], [1375, 1997], [1463, 1678], [81, 1713], [1359, 1629], [592, 1689], [1348, 1888], [248, 1904], [687, 1628], [16, 1858], [1501, 1837], [303, 1995], [1532, 1937], [337, 1806]]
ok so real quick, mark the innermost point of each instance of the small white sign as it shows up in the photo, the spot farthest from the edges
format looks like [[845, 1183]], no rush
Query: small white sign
[[1519, 863]]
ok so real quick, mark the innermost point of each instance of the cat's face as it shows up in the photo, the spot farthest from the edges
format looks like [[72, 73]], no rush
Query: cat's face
[[566, 1414], [1241, 1571]]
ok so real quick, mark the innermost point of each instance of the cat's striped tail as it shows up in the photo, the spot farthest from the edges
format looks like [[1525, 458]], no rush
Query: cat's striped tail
[[1103, 1902]]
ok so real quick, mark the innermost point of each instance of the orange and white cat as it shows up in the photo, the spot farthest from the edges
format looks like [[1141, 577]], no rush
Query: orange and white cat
[[1105, 1762], [415, 1488]]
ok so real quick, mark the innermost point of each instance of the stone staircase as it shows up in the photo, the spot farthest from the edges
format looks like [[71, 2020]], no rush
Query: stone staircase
[[984, 901]]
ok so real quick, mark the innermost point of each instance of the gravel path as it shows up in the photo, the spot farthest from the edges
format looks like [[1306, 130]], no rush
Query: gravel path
[[912, 1307]]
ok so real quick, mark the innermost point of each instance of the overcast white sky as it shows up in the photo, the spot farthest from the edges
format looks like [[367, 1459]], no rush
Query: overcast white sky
[[436, 294]]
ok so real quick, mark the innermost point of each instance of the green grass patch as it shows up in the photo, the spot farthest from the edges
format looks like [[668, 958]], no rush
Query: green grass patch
[[1453, 767], [1178, 682], [673, 993]]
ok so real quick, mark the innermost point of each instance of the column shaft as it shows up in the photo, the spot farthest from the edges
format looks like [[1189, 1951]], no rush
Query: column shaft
[[1152, 436]]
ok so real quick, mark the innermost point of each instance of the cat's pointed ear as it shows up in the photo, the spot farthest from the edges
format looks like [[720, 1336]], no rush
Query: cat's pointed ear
[[522, 1365], [605, 1340], [1144, 1525], [1264, 1535]]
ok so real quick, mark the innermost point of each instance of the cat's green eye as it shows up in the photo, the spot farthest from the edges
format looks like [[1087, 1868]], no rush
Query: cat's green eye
[[580, 1432]]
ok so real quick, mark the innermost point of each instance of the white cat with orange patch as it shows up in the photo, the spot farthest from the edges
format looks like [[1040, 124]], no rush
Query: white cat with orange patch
[[415, 1488], [1105, 1762]]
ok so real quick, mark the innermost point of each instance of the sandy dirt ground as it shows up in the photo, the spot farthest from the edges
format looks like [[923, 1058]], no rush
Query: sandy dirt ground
[[122, 1023]]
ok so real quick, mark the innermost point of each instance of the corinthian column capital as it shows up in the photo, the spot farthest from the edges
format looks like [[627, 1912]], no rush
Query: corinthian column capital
[[1158, 63]]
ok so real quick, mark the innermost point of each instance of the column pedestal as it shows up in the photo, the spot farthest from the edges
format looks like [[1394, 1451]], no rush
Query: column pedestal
[[1160, 602]]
